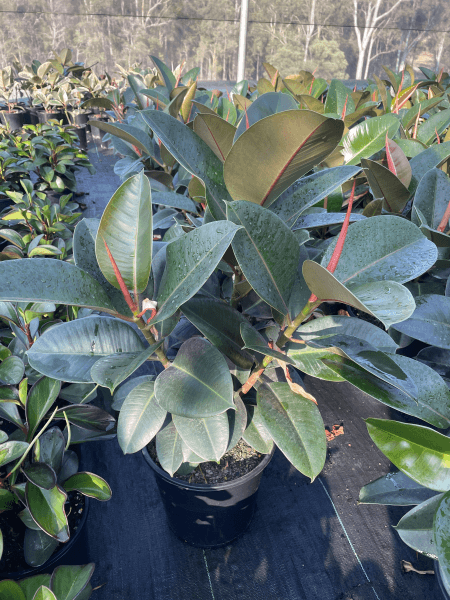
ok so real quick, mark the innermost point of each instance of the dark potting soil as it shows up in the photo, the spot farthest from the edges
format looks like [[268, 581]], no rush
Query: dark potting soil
[[239, 461], [13, 531]]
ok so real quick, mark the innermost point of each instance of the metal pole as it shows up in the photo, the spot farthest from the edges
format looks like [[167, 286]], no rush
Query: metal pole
[[242, 40]]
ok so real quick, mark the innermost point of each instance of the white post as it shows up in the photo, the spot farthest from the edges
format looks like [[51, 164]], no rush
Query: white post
[[242, 40]]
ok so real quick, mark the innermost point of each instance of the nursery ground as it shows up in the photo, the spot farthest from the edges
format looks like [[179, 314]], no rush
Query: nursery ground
[[306, 542]]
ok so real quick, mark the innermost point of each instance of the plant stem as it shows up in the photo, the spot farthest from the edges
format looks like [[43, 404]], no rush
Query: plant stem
[[151, 340], [27, 451]]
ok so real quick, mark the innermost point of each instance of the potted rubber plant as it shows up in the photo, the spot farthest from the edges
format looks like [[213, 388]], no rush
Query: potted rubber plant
[[244, 278], [66, 581], [12, 117]]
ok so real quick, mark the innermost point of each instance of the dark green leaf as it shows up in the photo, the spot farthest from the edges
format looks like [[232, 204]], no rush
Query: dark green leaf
[[68, 582], [367, 138], [41, 475], [416, 527], [169, 448], [207, 437], [430, 322], [197, 384], [47, 509], [295, 424], [38, 547], [394, 489], [43, 280], [40, 399], [140, 418], [68, 351], [126, 226]]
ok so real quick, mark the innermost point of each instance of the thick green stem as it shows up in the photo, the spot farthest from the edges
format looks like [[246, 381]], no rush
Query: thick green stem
[[151, 340]]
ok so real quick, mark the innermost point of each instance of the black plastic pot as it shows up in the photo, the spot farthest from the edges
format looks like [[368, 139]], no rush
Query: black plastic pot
[[82, 137], [69, 553], [209, 516], [46, 116], [13, 119]]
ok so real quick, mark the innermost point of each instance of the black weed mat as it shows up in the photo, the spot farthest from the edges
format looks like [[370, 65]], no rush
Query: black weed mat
[[306, 542]]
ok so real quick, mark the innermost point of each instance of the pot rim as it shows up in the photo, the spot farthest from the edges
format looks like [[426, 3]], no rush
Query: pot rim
[[56, 556], [202, 487]]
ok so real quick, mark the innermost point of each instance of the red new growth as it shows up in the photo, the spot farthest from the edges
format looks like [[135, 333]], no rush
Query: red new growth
[[333, 262], [126, 294], [345, 108], [391, 165], [331, 266], [247, 124]]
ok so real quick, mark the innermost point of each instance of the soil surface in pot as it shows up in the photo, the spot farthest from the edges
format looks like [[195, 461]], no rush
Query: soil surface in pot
[[239, 461], [13, 531]]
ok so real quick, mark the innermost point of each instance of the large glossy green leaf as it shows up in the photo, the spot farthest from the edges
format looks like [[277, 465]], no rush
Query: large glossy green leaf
[[253, 340], [125, 388], [398, 251], [256, 434], [12, 370], [441, 527], [385, 185], [295, 424], [220, 324], [309, 190], [420, 452], [338, 96], [207, 437], [47, 509], [68, 351], [194, 155], [267, 252], [217, 133], [169, 448], [88, 484], [69, 581], [11, 450], [110, 371], [369, 358], [416, 527], [85, 259], [197, 384], [432, 402], [126, 226], [44, 280], [332, 325], [298, 141], [10, 590], [426, 160], [264, 106], [367, 138], [430, 322], [190, 260], [388, 301], [394, 489], [40, 399], [140, 418], [38, 547], [426, 132], [431, 198]]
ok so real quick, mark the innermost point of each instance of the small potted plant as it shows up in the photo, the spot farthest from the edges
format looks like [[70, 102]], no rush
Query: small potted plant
[[41, 489], [12, 117]]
